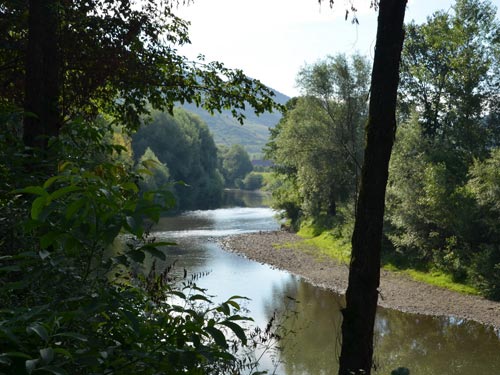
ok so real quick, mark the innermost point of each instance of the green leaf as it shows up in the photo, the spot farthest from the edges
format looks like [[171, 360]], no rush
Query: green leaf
[[178, 294], [64, 165], [39, 330], [50, 181], [224, 308], [217, 335], [47, 240], [16, 355], [38, 206], [74, 207], [136, 255], [237, 329], [36, 190], [63, 352], [63, 191], [133, 226], [155, 252], [13, 268], [199, 297], [47, 355], [131, 186], [31, 365]]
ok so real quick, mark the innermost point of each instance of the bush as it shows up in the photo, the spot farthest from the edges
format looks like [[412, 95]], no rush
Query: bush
[[253, 181], [71, 305]]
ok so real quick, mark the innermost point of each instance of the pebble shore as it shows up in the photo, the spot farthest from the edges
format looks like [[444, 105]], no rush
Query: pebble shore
[[397, 291]]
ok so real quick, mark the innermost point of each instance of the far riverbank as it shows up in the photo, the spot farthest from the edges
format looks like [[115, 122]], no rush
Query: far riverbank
[[397, 291]]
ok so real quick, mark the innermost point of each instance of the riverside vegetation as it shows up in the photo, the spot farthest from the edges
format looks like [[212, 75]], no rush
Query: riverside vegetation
[[76, 81], [71, 97], [442, 209]]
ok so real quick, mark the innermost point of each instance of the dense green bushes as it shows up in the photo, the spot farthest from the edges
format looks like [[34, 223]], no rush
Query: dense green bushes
[[442, 211], [183, 144], [73, 302]]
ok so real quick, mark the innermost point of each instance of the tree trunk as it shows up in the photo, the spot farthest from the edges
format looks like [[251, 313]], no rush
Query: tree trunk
[[42, 74], [364, 272]]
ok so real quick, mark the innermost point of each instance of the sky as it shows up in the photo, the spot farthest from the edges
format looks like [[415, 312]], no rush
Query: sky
[[271, 40]]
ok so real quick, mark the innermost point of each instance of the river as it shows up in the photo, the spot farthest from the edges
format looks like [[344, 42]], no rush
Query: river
[[311, 315]]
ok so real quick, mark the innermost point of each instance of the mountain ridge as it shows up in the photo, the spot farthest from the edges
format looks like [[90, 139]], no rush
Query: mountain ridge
[[252, 135]]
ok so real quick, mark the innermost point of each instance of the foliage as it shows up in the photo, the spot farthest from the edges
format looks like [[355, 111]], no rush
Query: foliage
[[72, 304], [183, 143], [317, 146], [441, 166], [120, 57], [234, 163], [160, 174], [252, 181], [484, 186], [450, 71]]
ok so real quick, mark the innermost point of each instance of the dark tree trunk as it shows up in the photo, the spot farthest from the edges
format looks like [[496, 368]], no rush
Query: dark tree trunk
[[364, 272], [42, 74]]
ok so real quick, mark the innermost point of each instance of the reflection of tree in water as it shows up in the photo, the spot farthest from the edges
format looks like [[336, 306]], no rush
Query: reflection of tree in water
[[244, 198], [429, 345], [311, 317], [425, 345]]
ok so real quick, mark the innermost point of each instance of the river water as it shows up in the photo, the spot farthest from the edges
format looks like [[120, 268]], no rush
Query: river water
[[311, 315]]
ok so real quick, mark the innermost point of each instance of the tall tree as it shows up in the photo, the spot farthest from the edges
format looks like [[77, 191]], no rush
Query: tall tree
[[450, 73], [43, 70], [234, 163], [184, 144], [319, 141], [113, 56], [364, 270]]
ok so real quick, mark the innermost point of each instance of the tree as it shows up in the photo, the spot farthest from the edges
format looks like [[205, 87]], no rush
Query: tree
[[484, 186], [317, 145], [235, 164], [160, 174], [42, 86], [113, 56], [184, 144], [364, 270], [449, 78], [450, 73]]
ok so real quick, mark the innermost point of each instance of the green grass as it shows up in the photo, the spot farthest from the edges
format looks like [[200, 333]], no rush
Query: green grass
[[327, 244], [435, 277], [339, 248]]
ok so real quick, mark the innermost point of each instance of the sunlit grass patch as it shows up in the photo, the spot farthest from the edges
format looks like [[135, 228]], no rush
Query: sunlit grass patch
[[436, 278], [328, 244]]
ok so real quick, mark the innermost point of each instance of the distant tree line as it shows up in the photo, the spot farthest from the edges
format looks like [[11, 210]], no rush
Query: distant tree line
[[187, 160]]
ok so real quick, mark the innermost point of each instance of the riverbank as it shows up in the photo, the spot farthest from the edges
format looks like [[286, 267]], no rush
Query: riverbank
[[397, 291]]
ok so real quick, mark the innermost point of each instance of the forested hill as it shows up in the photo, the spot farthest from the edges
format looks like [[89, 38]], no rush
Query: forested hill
[[253, 135]]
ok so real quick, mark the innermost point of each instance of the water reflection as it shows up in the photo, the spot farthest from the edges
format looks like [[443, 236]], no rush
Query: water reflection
[[246, 198], [310, 315], [425, 345], [435, 345], [216, 223], [311, 319]]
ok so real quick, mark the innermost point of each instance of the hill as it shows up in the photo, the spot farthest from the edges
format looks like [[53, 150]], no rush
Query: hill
[[253, 135]]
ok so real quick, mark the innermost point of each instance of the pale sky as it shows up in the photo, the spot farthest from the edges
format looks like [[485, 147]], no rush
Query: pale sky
[[272, 39]]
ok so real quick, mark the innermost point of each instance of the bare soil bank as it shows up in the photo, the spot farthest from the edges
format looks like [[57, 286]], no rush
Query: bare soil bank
[[397, 291]]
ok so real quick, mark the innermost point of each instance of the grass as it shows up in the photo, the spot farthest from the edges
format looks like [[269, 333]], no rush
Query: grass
[[339, 248]]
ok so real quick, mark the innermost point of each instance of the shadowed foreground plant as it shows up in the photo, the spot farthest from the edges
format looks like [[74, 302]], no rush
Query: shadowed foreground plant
[[72, 305]]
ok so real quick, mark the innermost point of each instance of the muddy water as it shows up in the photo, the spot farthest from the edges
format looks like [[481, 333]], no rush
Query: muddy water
[[311, 315]]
